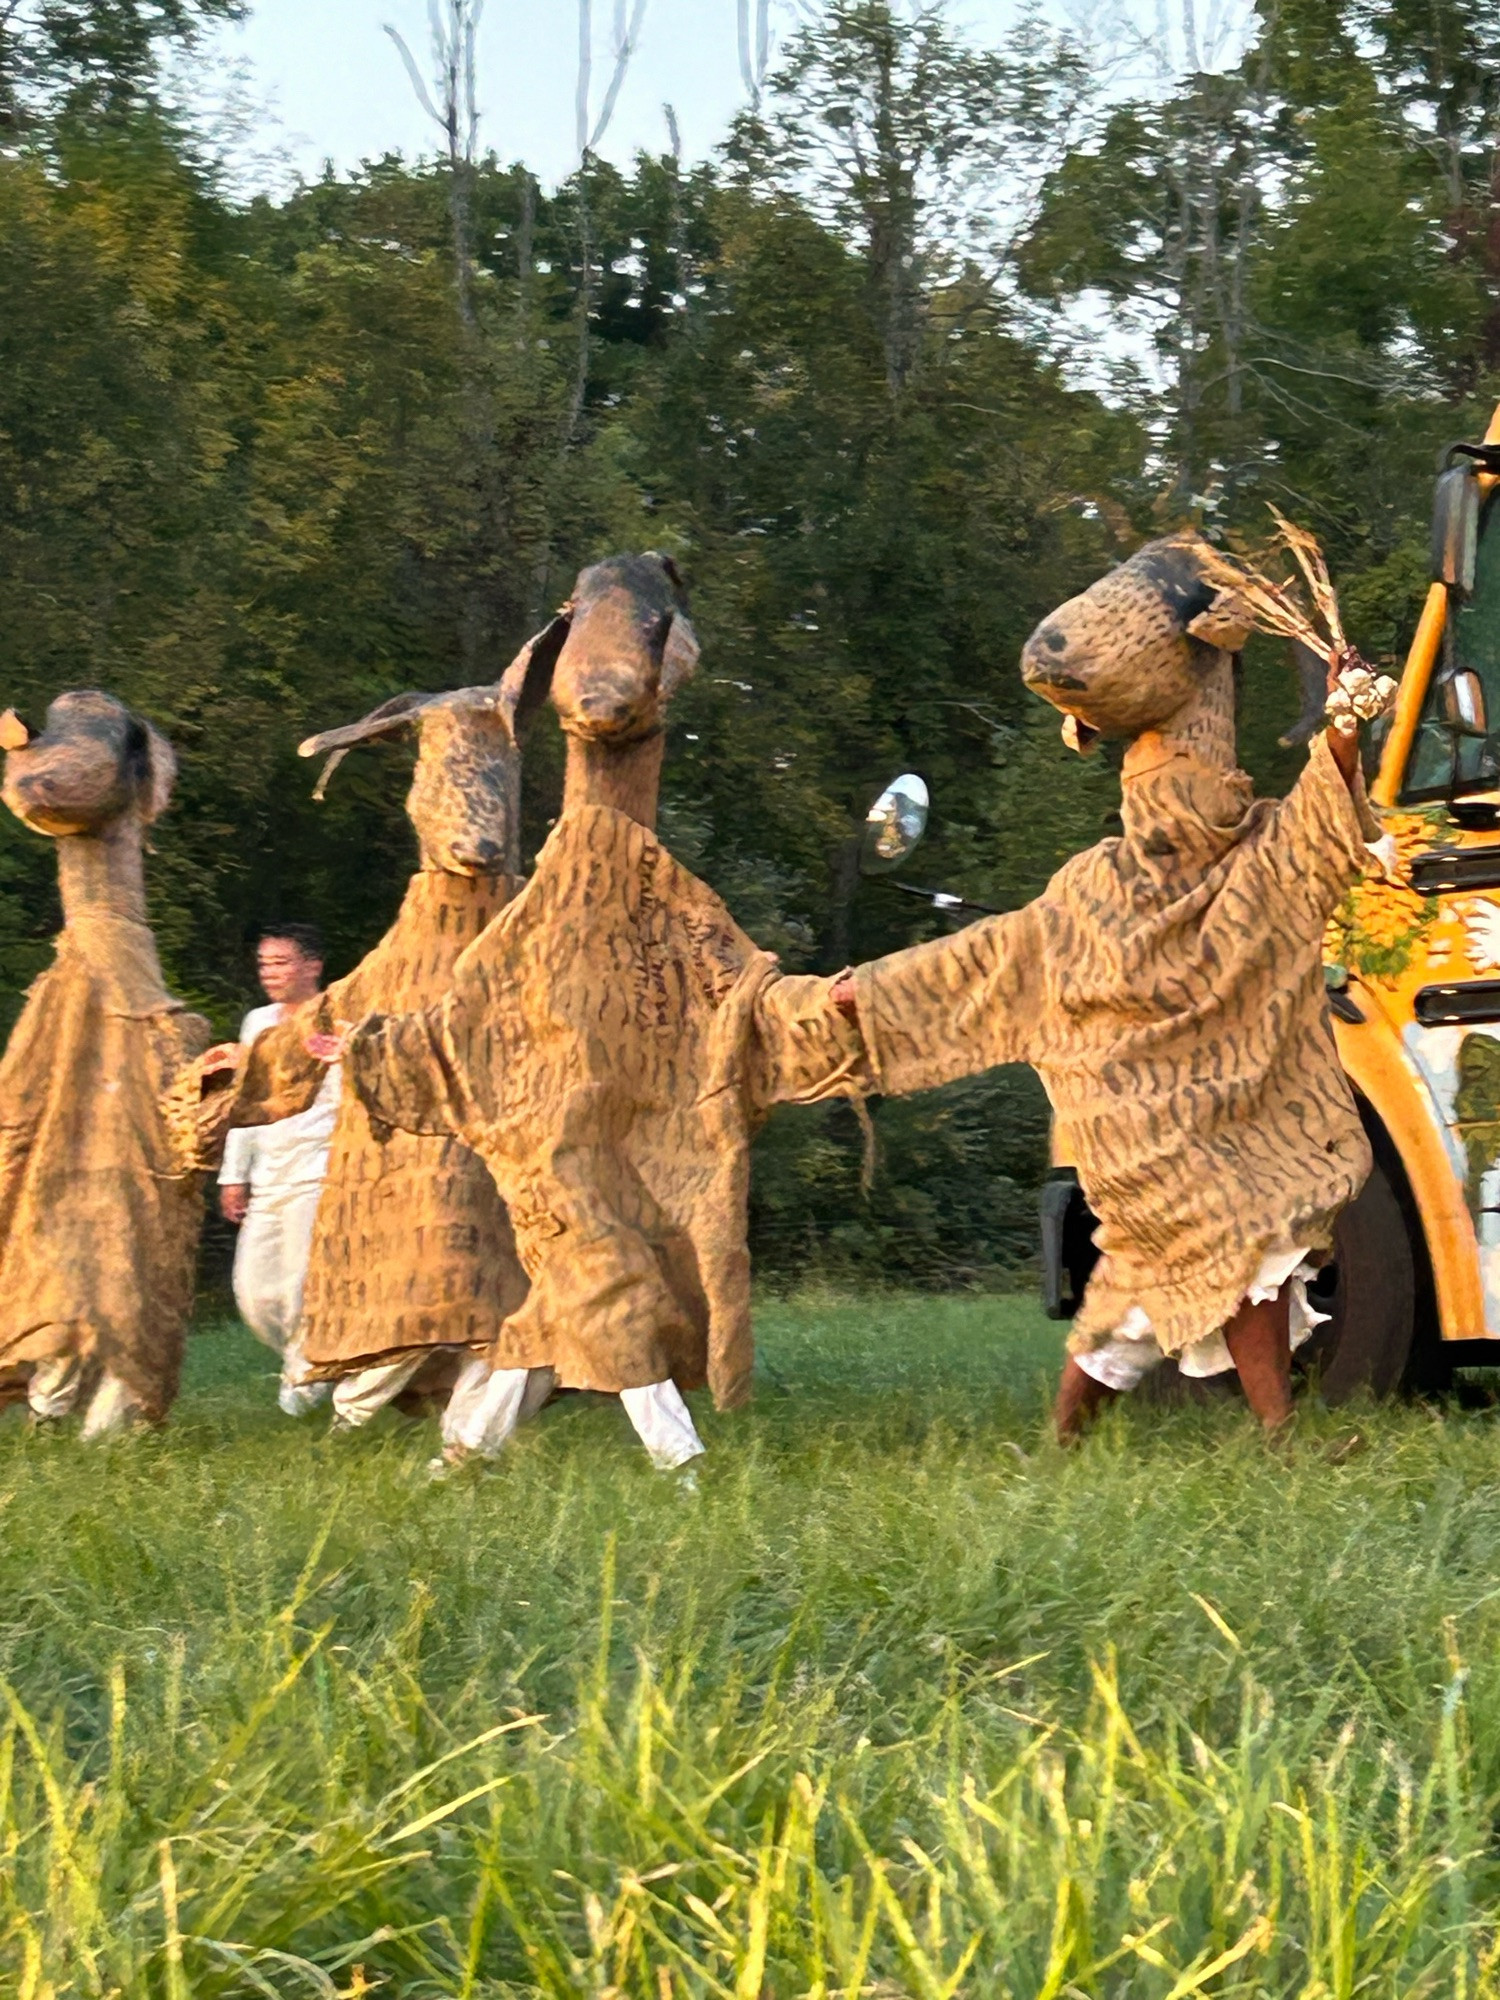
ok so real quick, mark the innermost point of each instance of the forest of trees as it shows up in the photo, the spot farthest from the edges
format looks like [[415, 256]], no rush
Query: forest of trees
[[266, 461]]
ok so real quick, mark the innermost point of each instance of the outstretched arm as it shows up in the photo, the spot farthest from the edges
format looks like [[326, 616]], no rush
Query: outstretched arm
[[401, 1067], [807, 1050], [242, 1085], [1323, 832], [952, 1007]]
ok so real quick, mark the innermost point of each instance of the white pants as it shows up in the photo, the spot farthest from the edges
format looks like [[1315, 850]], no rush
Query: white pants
[[663, 1423], [270, 1269], [359, 1397], [53, 1392], [488, 1404], [479, 1409]]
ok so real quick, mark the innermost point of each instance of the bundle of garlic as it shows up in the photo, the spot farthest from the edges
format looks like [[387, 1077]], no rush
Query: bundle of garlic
[[1356, 691]]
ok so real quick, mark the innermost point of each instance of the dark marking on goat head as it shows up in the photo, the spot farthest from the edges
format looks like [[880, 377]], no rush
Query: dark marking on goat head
[[614, 656], [465, 797], [93, 762], [1133, 649]]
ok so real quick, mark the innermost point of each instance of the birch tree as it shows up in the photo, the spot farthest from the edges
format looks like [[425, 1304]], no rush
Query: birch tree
[[591, 125], [452, 105]]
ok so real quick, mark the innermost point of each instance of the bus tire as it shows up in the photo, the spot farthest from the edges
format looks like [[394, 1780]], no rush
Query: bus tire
[[1370, 1293]]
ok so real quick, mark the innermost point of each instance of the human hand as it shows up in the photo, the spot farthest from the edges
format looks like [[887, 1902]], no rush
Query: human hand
[[329, 1048], [234, 1201], [841, 996], [222, 1056]]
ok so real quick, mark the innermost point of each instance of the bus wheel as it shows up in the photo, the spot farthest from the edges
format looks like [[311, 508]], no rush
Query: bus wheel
[[1369, 1292]]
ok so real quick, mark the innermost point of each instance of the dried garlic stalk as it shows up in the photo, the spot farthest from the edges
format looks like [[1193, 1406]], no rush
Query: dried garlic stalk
[[1356, 692]]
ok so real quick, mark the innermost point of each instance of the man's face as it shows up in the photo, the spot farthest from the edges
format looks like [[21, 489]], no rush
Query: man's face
[[287, 974]]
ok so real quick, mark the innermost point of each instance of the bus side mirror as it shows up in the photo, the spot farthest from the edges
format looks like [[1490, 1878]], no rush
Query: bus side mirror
[[1455, 528], [1462, 697], [893, 825]]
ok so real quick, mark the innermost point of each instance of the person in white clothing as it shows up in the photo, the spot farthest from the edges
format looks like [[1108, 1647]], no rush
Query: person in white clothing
[[272, 1175]]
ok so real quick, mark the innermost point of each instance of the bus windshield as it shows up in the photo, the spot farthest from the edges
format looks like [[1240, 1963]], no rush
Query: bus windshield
[[1442, 765]]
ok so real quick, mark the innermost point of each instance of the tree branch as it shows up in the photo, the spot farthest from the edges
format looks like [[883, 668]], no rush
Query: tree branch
[[418, 85]]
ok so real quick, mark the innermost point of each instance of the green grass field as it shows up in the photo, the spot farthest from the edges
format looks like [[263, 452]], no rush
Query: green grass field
[[903, 1700]]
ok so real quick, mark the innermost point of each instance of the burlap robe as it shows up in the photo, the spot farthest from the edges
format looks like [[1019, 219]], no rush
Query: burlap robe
[[1168, 988], [412, 1247], [100, 1209], [608, 1047]]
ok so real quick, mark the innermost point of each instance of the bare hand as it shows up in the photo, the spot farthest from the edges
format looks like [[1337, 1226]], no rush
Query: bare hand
[[841, 996], [1343, 741], [326, 1048], [234, 1201], [222, 1056]]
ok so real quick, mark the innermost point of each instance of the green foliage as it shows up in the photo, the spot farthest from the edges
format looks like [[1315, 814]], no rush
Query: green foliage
[[903, 1699], [91, 56], [263, 465]]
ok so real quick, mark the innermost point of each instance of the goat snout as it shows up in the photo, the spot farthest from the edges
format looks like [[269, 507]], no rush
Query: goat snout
[[1044, 664], [603, 706], [481, 855]]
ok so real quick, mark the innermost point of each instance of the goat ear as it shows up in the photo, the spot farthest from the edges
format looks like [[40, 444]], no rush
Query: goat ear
[[527, 681], [388, 720], [674, 575], [679, 659], [1225, 623], [161, 769]]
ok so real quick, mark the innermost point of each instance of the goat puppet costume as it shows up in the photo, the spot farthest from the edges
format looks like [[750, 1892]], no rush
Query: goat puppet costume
[[612, 1040], [412, 1251], [100, 1202], [1167, 985]]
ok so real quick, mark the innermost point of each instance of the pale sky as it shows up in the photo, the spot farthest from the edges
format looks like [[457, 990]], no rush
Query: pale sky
[[322, 80]]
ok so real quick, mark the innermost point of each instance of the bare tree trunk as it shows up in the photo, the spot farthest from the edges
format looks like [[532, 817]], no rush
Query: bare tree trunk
[[747, 64], [526, 237], [585, 309], [893, 244], [585, 73], [629, 15], [838, 936], [463, 249], [457, 115], [676, 220]]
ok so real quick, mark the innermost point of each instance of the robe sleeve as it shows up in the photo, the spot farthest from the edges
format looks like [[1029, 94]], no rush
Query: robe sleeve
[[956, 1006], [195, 1108], [239, 1157], [277, 1077], [402, 1070], [1319, 841], [806, 1050]]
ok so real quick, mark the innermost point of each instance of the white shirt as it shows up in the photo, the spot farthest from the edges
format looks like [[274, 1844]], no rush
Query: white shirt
[[294, 1151]]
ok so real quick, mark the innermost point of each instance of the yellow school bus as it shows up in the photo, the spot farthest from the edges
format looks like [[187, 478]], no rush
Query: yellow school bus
[[1413, 972]]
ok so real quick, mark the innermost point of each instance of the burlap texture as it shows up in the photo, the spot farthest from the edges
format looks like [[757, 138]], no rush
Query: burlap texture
[[1168, 988], [412, 1247], [99, 1209], [608, 1047]]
